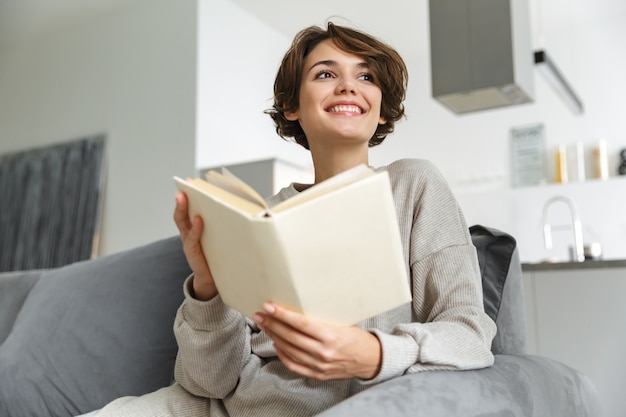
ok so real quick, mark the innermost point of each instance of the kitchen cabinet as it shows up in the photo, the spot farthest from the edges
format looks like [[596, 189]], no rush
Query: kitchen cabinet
[[267, 176], [576, 313]]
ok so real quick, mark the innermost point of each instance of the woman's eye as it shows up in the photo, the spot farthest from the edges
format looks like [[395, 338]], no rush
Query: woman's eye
[[323, 74], [367, 77]]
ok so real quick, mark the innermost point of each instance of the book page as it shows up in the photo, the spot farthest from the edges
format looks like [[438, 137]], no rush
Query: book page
[[198, 190], [229, 182], [338, 181]]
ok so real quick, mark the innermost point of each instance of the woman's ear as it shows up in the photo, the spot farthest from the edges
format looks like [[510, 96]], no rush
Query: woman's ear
[[292, 116], [382, 120]]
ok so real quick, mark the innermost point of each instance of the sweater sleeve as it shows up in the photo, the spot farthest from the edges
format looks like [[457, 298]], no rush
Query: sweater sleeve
[[449, 328], [213, 345], [455, 334]]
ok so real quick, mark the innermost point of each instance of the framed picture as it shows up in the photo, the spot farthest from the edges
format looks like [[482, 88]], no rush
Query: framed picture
[[527, 155], [50, 204]]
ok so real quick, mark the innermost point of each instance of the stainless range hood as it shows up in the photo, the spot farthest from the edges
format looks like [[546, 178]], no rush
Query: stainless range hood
[[481, 53]]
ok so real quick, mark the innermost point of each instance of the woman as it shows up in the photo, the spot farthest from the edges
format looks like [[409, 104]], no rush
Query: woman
[[338, 92]]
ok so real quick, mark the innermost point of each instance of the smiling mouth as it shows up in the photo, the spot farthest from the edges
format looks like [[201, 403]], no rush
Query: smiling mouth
[[345, 109]]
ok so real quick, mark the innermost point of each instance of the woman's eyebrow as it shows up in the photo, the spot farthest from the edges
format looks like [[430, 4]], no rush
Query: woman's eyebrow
[[333, 63], [326, 62]]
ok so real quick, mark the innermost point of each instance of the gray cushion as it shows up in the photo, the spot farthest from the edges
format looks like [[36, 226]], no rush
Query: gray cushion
[[503, 295], [14, 287], [515, 386], [93, 331], [495, 250]]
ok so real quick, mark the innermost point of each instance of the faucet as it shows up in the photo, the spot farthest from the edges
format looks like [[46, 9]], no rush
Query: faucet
[[579, 252]]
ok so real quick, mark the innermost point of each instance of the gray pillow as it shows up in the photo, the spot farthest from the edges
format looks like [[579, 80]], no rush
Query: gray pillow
[[14, 287], [93, 331], [503, 292], [495, 250]]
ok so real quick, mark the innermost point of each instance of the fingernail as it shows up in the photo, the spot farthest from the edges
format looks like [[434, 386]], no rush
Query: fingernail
[[257, 318], [269, 308]]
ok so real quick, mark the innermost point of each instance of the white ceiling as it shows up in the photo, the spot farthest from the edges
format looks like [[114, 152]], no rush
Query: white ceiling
[[404, 21], [399, 22], [396, 20]]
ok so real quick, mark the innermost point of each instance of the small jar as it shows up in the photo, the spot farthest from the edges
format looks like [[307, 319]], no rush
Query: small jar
[[593, 251]]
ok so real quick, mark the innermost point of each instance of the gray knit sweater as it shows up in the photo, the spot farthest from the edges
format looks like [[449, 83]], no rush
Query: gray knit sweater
[[227, 367]]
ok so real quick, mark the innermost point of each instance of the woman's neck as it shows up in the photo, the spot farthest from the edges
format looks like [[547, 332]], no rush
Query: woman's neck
[[329, 164]]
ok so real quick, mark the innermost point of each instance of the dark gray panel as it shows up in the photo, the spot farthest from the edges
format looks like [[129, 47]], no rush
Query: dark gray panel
[[450, 50], [49, 204], [491, 38]]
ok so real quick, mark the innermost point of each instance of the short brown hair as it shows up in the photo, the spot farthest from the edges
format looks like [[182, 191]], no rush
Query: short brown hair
[[387, 66]]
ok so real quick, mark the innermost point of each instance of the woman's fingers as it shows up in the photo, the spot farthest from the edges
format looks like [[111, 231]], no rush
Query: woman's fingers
[[181, 215], [319, 350], [190, 231]]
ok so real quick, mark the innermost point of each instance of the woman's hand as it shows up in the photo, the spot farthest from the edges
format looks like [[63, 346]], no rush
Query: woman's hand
[[318, 350], [190, 231]]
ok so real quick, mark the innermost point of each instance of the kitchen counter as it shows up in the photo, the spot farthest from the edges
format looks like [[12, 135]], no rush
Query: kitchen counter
[[562, 266], [575, 313]]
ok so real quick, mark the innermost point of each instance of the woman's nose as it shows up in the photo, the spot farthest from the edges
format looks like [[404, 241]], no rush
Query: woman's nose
[[346, 87]]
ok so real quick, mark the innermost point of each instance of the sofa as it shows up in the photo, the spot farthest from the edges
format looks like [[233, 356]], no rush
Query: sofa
[[76, 337]]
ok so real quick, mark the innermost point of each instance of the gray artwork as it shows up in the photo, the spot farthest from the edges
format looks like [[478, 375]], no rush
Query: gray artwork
[[50, 202]]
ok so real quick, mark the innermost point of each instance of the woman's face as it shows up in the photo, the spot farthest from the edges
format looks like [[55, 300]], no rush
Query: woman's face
[[339, 101]]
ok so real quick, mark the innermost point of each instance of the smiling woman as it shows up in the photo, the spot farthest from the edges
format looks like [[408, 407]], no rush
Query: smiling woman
[[339, 103], [373, 59], [337, 93]]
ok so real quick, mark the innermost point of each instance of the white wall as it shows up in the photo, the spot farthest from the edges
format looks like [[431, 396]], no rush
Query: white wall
[[472, 151], [129, 73], [238, 56]]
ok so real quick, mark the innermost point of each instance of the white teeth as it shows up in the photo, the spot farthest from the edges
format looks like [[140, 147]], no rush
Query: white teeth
[[345, 108]]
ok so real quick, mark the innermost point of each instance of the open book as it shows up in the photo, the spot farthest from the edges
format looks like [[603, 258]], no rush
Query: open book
[[332, 252]]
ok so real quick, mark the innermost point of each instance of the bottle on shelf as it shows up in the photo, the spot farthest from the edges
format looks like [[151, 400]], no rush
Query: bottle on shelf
[[561, 165], [576, 162], [601, 160]]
